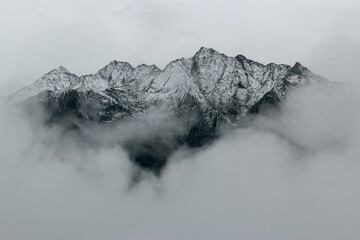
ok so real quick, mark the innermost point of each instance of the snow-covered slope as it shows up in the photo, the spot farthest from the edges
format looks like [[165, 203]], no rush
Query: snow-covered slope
[[57, 80]]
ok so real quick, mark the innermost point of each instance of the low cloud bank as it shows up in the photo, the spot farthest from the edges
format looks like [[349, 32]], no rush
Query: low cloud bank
[[294, 175]]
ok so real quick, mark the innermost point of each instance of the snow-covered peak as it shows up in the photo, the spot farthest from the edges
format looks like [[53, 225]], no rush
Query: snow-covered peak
[[240, 57], [207, 56], [57, 80], [299, 69], [205, 52], [116, 71], [60, 69]]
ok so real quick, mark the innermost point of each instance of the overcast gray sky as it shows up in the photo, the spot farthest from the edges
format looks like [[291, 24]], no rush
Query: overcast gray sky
[[84, 35]]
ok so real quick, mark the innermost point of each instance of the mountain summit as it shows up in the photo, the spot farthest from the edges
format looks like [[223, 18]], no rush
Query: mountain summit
[[184, 103]]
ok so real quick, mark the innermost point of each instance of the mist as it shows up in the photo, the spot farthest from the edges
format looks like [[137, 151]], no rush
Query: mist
[[292, 174]]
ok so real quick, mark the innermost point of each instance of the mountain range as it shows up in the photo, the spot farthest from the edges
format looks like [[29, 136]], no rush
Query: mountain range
[[151, 112]]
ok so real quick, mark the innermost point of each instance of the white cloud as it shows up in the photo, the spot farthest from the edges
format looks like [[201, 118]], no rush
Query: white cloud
[[294, 176]]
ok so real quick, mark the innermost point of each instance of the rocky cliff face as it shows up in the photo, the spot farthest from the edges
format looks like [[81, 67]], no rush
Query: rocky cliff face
[[185, 103]]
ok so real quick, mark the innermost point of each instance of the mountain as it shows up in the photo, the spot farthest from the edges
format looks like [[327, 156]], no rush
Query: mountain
[[186, 103]]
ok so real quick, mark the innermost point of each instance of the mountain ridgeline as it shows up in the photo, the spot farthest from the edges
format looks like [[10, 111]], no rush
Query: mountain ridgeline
[[152, 112]]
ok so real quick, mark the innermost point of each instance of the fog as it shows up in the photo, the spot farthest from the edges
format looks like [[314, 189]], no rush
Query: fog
[[290, 175]]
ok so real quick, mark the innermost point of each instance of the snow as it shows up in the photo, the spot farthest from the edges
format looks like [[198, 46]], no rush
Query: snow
[[214, 79]]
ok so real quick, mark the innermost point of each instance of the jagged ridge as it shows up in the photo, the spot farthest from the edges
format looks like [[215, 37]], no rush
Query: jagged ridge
[[205, 91]]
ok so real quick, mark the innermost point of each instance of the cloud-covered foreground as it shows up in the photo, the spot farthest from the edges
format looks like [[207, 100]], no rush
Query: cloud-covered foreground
[[291, 176]]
